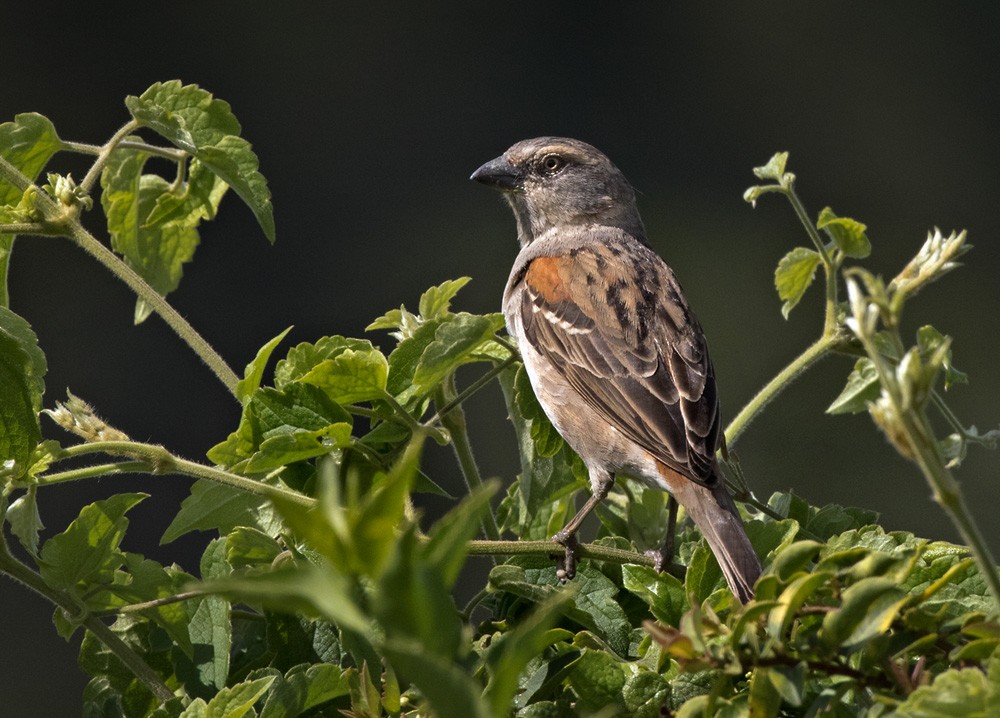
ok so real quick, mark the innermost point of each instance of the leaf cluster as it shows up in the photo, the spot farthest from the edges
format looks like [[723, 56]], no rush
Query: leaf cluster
[[323, 590]]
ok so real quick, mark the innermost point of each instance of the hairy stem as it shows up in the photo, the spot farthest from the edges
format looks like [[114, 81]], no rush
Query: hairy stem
[[454, 422], [32, 580], [105, 154], [155, 300], [551, 548], [157, 460], [813, 353]]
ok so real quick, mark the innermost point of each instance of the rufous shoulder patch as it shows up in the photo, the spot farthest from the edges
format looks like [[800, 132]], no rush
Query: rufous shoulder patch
[[545, 277]]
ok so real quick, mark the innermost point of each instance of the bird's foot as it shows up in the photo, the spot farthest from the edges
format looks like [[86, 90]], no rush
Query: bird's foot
[[566, 566], [662, 556]]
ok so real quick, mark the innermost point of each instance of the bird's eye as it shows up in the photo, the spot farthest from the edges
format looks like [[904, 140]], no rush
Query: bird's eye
[[551, 164]]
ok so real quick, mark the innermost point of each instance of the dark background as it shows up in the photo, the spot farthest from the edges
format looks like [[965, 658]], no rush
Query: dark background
[[369, 119]]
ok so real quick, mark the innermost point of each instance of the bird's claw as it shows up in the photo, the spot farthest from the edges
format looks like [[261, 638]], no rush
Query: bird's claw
[[566, 566]]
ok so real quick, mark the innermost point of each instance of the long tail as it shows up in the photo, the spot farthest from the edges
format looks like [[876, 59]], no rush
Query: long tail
[[714, 513]]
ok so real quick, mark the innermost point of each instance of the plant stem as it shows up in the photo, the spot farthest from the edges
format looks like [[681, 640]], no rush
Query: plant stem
[[813, 353], [158, 460], [454, 422], [948, 494], [105, 154], [24, 575], [90, 472], [184, 330], [551, 548], [472, 389]]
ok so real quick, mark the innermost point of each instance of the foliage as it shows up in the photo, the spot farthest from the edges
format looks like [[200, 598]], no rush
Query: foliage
[[326, 592]]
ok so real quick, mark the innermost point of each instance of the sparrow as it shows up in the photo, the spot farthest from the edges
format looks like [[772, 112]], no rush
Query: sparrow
[[614, 354]]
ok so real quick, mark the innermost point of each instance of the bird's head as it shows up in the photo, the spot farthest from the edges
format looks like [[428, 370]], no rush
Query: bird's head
[[556, 183]]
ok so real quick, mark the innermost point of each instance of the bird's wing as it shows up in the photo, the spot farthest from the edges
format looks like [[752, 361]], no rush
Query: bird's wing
[[612, 319]]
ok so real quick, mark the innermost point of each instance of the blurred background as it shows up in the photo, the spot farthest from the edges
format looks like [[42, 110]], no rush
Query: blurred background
[[368, 120]]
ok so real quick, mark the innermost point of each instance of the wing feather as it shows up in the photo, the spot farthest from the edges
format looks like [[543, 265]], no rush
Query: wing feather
[[621, 334]]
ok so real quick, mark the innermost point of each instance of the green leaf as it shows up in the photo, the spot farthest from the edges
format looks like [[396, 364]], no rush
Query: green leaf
[[216, 507], [193, 120], [296, 588], [794, 274], [446, 548], [848, 234], [347, 370], [254, 372], [154, 224], [298, 445], [28, 143], [867, 609], [662, 592], [436, 301], [210, 627], [25, 521], [968, 693], [87, 551], [597, 679], [248, 548], [862, 387], [22, 372], [930, 341], [774, 169], [454, 342], [446, 685], [413, 604], [509, 655], [234, 702], [592, 605], [304, 687]]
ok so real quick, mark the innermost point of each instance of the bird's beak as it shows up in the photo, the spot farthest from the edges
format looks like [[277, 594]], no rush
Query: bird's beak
[[499, 173]]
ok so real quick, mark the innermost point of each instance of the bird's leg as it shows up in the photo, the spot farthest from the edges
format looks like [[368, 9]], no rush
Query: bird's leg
[[665, 554], [600, 487]]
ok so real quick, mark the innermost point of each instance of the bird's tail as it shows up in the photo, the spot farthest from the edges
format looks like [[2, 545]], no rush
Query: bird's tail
[[714, 513]]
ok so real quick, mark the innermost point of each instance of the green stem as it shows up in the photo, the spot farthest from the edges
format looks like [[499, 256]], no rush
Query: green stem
[[472, 389], [948, 494], [551, 548], [454, 422], [90, 472], [105, 154], [30, 228], [11, 174], [830, 264], [158, 460], [813, 353], [155, 300], [28, 578], [170, 153]]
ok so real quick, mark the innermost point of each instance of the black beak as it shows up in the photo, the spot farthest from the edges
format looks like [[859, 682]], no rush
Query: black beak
[[499, 173]]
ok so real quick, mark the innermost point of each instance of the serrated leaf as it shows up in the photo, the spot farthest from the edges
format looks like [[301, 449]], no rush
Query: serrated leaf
[[794, 274], [298, 445], [254, 372], [848, 234], [454, 341], [597, 679], [153, 224], [508, 656], [22, 384], [351, 376], [969, 693], [304, 687], [233, 702], [87, 551], [193, 120], [862, 387], [662, 592], [210, 627], [25, 521], [28, 143], [217, 507], [435, 302]]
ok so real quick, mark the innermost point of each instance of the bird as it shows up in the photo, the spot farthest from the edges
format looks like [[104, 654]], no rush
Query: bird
[[617, 359]]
